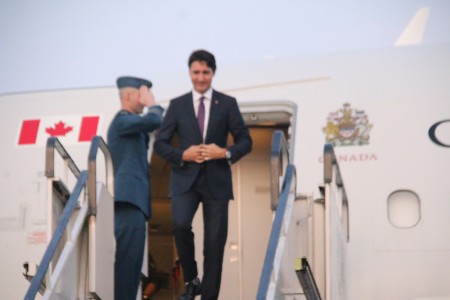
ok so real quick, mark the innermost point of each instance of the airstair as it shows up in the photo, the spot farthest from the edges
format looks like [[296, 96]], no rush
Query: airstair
[[79, 260], [305, 256]]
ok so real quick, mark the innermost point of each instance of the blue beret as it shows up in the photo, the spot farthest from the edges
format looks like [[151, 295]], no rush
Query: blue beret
[[127, 81]]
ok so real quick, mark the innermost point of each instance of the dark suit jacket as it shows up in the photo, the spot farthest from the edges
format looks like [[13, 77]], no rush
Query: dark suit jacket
[[180, 120], [128, 142]]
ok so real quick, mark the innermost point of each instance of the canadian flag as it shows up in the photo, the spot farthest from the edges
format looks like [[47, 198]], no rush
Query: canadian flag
[[71, 129]]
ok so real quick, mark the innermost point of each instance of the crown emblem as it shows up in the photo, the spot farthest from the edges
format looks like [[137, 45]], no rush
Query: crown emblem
[[347, 127]]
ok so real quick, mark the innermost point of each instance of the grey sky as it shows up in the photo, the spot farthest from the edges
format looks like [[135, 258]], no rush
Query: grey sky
[[54, 44]]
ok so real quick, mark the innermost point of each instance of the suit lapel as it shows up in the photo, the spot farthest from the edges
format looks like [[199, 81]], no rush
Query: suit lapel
[[213, 111], [188, 109]]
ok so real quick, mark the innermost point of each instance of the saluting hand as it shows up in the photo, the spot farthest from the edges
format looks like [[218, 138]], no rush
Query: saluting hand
[[147, 99]]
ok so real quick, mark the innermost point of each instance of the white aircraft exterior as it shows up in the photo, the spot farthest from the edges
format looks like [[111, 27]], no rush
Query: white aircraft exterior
[[387, 113]]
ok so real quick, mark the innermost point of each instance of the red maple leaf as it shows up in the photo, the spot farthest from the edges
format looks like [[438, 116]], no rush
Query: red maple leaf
[[59, 129]]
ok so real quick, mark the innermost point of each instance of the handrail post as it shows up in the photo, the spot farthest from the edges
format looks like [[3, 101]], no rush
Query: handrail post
[[279, 160], [331, 166], [98, 143], [336, 217]]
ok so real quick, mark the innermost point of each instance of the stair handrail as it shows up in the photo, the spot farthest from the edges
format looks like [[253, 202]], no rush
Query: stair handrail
[[330, 161], [98, 143], [330, 167], [54, 144], [268, 267], [336, 223], [57, 236], [279, 160]]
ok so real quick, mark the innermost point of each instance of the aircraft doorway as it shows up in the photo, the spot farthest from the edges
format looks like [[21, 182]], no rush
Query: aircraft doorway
[[250, 216]]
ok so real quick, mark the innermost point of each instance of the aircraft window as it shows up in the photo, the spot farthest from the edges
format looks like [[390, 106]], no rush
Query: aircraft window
[[403, 208]]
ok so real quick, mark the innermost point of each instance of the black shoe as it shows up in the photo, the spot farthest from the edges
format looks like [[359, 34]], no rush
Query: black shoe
[[193, 288]]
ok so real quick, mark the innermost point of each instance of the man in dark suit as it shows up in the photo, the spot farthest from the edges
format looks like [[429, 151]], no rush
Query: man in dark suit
[[128, 142], [202, 120]]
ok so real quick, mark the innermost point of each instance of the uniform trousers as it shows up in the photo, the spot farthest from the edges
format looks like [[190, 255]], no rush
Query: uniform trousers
[[129, 230]]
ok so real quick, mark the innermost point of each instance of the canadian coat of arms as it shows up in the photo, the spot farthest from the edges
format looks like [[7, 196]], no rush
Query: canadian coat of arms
[[347, 127]]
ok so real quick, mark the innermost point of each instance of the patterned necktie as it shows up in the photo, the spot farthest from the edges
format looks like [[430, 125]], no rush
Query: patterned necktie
[[201, 115]]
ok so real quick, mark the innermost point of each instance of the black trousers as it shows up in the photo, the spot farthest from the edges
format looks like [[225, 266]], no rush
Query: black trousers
[[215, 226]]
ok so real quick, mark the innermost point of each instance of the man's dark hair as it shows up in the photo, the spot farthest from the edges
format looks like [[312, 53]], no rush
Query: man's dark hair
[[203, 55]]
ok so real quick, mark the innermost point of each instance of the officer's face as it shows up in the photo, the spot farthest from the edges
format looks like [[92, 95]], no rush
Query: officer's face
[[201, 76], [135, 101]]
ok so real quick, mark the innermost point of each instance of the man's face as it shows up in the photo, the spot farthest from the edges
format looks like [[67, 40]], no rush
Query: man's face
[[201, 76], [134, 101]]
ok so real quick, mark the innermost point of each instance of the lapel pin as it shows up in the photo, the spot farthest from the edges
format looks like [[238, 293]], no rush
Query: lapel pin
[[216, 101]]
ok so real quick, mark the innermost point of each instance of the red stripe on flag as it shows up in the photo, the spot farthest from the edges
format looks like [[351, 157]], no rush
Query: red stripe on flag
[[28, 132], [88, 128]]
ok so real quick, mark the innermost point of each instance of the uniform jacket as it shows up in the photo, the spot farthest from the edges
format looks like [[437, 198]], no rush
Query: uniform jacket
[[128, 142]]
